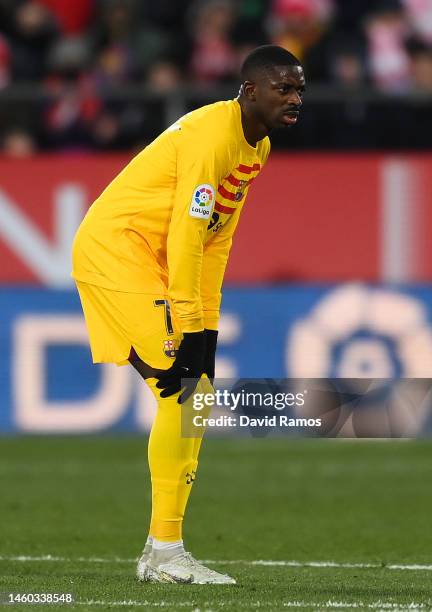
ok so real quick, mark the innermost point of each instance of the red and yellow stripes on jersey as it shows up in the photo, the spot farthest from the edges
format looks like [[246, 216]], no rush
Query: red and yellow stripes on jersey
[[241, 177]]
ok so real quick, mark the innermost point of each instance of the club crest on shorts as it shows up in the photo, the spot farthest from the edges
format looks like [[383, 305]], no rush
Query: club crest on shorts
[[169, 348], [202, 202]]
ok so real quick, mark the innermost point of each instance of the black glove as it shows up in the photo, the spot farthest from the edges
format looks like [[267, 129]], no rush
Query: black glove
[[189, 363], [211, 336]]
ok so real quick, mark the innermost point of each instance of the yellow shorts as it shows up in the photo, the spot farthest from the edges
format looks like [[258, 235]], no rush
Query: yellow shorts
[[117, 321]]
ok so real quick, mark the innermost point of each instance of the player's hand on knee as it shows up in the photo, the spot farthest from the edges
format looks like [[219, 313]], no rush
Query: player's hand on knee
[[188, 365]]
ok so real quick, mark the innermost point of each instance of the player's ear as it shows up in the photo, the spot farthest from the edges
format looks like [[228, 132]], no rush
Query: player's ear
[[249, 90]]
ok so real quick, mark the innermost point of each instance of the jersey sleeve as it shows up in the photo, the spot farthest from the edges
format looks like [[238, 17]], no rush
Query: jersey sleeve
[[216, 253], [202, 159], [215, 259]]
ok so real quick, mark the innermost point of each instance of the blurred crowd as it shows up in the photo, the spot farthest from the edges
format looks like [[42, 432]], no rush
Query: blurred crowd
[[79, 51]]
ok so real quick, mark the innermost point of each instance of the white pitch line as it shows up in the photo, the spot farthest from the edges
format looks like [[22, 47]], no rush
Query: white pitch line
[[130, 602], [380, 605], [260, 562], [377, 605], [25, 558]]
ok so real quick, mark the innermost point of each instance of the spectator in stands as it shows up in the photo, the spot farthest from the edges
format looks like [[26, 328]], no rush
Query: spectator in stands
[[249, 29], [163, 35], [347, 67], [113, 67], [74, 106], [114, 38], [18, 143], [420, 66], [82, 53], [118, 20], [164, 76], [213, 56], [419, 13], [73, 17], [350, 15], [298, 25], [387, 29], [127, 44], [33, 31]]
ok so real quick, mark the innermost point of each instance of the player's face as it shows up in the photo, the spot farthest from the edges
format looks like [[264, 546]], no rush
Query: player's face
[[278, 96]]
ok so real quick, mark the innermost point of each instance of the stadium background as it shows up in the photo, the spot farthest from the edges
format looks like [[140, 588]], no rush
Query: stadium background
[[334, 280]]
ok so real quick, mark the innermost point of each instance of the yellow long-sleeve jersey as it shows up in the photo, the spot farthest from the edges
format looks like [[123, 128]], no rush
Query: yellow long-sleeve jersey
[[164, 225]]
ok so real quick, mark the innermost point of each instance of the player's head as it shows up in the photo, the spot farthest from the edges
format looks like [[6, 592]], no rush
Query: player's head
[[272, 84]]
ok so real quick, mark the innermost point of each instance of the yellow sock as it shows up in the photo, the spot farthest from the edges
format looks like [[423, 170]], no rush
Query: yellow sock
[[173, 462]]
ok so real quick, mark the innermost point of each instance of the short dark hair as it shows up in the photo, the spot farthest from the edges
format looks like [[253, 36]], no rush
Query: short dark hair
[[264, 57]]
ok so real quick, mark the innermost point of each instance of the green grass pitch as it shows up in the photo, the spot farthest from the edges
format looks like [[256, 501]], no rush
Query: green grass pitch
[[263, 510]]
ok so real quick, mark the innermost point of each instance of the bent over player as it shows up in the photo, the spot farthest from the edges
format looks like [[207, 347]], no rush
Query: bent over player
[[149, 260]]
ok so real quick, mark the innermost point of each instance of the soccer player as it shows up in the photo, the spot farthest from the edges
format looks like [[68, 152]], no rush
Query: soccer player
[[149, 260]]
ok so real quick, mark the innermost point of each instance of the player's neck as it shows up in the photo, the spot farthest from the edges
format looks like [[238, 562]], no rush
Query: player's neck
[[253, 129]]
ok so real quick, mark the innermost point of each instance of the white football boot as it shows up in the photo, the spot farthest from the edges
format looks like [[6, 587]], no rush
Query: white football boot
[[141, 571], [178, 566]]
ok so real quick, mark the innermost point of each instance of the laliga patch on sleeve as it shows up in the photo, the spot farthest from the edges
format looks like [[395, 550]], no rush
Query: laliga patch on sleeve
[[202, 202]]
